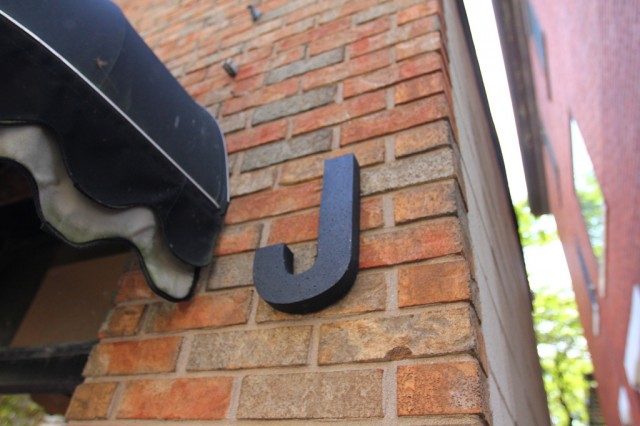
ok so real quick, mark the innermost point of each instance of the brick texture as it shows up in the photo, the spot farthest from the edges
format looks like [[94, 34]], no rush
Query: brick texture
[[316, 80]]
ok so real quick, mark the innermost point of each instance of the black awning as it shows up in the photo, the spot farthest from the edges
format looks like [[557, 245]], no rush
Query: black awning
[[128, 134]]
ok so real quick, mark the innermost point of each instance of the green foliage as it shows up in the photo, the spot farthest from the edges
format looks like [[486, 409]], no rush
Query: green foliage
[[563, 355], [562, 348], [19, 410], [534, 231]]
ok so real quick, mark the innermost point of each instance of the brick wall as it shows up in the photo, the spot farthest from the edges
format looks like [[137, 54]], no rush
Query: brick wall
[[316, 79]]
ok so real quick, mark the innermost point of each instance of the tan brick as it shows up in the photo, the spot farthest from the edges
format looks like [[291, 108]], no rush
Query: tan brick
[[209, 310], [268, 94], [294, 104], [133, 286], [332, 395], [409, 68], [367, 153], [368, 294], [91, 401], [435, 199], [248, 183], [399, 118], [123, 321], [423, 138], [231, 271], [236, 239], [157, 355], [440, 388], [256, 136], [439, 237], [304, 226], [427, 333], [337, 113], [232, 350], [176, 399], [423, 168], [439, 281], [271, 203]]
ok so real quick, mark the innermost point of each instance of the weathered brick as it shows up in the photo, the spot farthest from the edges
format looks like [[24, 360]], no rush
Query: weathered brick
[[157, 355], [435, 199], [440, 388], [331, 41], [304, 226], [231, 271], [300, 67], [335, 27], [332, 395], [438, 281], [232, 350], [426, 240], [177, 399], [236, 239], [277, 152], [367, 153], [133, 286], [294, 104], [423, 138], [271, 203], [256, 136], [419, 10], [248, 85], [91, 401], [260, 97], [399, 118], [421, 168], [420, 87], [232, 123], [409, 68], [123, 321], [209, 310], [398, 35], [341, 71], [337, 113], [349, 8], [368, 294], [426, 43], [436, 331], [248, 183], [285, 9]]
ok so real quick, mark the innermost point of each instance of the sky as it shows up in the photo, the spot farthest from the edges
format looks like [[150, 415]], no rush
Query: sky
[[546, 265]]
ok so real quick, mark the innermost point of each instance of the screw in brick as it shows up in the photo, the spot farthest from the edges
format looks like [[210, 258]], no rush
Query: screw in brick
[[230, 68], [255, 13]]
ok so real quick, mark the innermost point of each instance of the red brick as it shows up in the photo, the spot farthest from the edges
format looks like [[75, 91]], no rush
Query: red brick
[[304, 226], [242, 87], [441, 281], [236, 239], [252, 69], [343, 70], [422, 138], [418, 11], [123, 321], [287, 57], [177, 399], [439, 237], [271, 203], [134, 357], [436, 199], [419, 88], [349, 8], [261, 97], [367, 153], [256, 136], [255, 54], [387, 76], [333, 27], [440, 388], [91, 401], [337, 113], [133, 286], [209, 310], [319, 45], [426, 43], [401, 117]]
